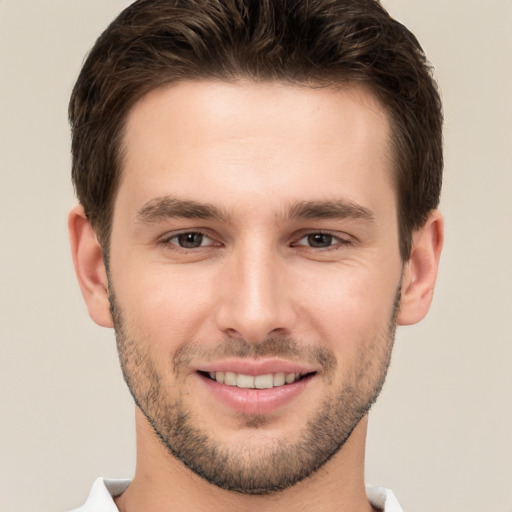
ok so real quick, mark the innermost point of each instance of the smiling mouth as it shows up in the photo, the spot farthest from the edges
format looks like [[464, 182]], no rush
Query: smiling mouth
[[266, 381]]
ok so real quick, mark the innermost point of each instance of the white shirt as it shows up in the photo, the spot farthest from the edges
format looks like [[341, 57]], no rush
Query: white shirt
[[101, 497]]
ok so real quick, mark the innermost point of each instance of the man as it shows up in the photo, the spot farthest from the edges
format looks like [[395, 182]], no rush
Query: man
[[258, 184]]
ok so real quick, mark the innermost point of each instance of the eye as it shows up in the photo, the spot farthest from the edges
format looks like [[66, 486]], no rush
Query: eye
[[321, 240], [190, 240]]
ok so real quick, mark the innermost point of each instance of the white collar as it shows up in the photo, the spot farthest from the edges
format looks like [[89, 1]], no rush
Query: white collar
[[103, 491]]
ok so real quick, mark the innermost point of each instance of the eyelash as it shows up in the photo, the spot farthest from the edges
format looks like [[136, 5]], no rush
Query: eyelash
[[339, 241], [167, 240]]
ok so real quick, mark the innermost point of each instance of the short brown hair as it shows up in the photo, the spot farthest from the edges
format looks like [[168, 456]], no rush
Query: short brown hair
[[310, 42]]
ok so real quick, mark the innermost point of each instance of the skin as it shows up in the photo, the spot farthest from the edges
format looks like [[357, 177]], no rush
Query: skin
[[256, 153]]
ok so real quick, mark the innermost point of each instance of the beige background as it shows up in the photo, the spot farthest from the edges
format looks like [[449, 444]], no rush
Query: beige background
[[440, 435]]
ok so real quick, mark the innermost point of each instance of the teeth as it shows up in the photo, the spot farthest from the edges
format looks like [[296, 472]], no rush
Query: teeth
[[230, 378], [279, 379], [244, 381], [264, 381], [267, 381], [289, 378]]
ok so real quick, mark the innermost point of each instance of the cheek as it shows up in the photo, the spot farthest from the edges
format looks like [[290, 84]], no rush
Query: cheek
[[163, 307], [353, 320], [350, 314], [348, 307]]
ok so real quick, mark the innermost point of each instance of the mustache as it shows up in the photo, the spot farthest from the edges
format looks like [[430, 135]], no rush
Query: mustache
[[273, 346]]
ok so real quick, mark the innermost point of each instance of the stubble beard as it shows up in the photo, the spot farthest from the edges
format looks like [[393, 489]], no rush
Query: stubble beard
[[275, 467]]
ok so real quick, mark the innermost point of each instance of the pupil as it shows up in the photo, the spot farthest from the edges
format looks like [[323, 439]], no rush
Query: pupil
[[320, 240], [190, 240]]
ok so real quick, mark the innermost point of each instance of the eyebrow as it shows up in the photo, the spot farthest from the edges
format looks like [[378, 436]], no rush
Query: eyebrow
[[339, 209], [167, 207]]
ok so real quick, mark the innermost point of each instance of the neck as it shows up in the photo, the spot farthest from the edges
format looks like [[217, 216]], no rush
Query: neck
[[164, 484]]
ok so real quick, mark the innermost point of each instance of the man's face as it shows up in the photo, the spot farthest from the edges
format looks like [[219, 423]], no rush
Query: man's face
[[255, 273]]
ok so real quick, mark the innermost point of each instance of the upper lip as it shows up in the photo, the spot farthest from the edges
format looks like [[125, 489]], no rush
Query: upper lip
[[256, 366]]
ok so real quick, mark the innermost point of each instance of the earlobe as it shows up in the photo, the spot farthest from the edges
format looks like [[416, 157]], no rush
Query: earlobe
[[89, 267], [420, 272]]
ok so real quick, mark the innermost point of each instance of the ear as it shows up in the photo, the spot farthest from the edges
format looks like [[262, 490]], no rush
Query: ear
[[420, 272], [89, 267]]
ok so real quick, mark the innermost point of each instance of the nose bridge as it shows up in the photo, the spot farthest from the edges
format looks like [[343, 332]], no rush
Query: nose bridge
[[254, 302]]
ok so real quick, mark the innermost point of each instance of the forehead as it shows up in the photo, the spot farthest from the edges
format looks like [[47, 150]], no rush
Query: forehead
[[248, 106], [253, 140]]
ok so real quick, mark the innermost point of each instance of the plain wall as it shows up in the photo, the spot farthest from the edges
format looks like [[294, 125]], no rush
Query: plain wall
[[439, 435]]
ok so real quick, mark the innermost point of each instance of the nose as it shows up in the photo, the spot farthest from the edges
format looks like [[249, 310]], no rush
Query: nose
[[254, 300]]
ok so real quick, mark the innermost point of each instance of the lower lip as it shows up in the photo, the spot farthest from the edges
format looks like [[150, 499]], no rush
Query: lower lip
[[256, 401]]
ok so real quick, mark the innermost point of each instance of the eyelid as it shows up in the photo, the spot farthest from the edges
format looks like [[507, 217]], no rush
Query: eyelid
[[166, 240], [342, 239]]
